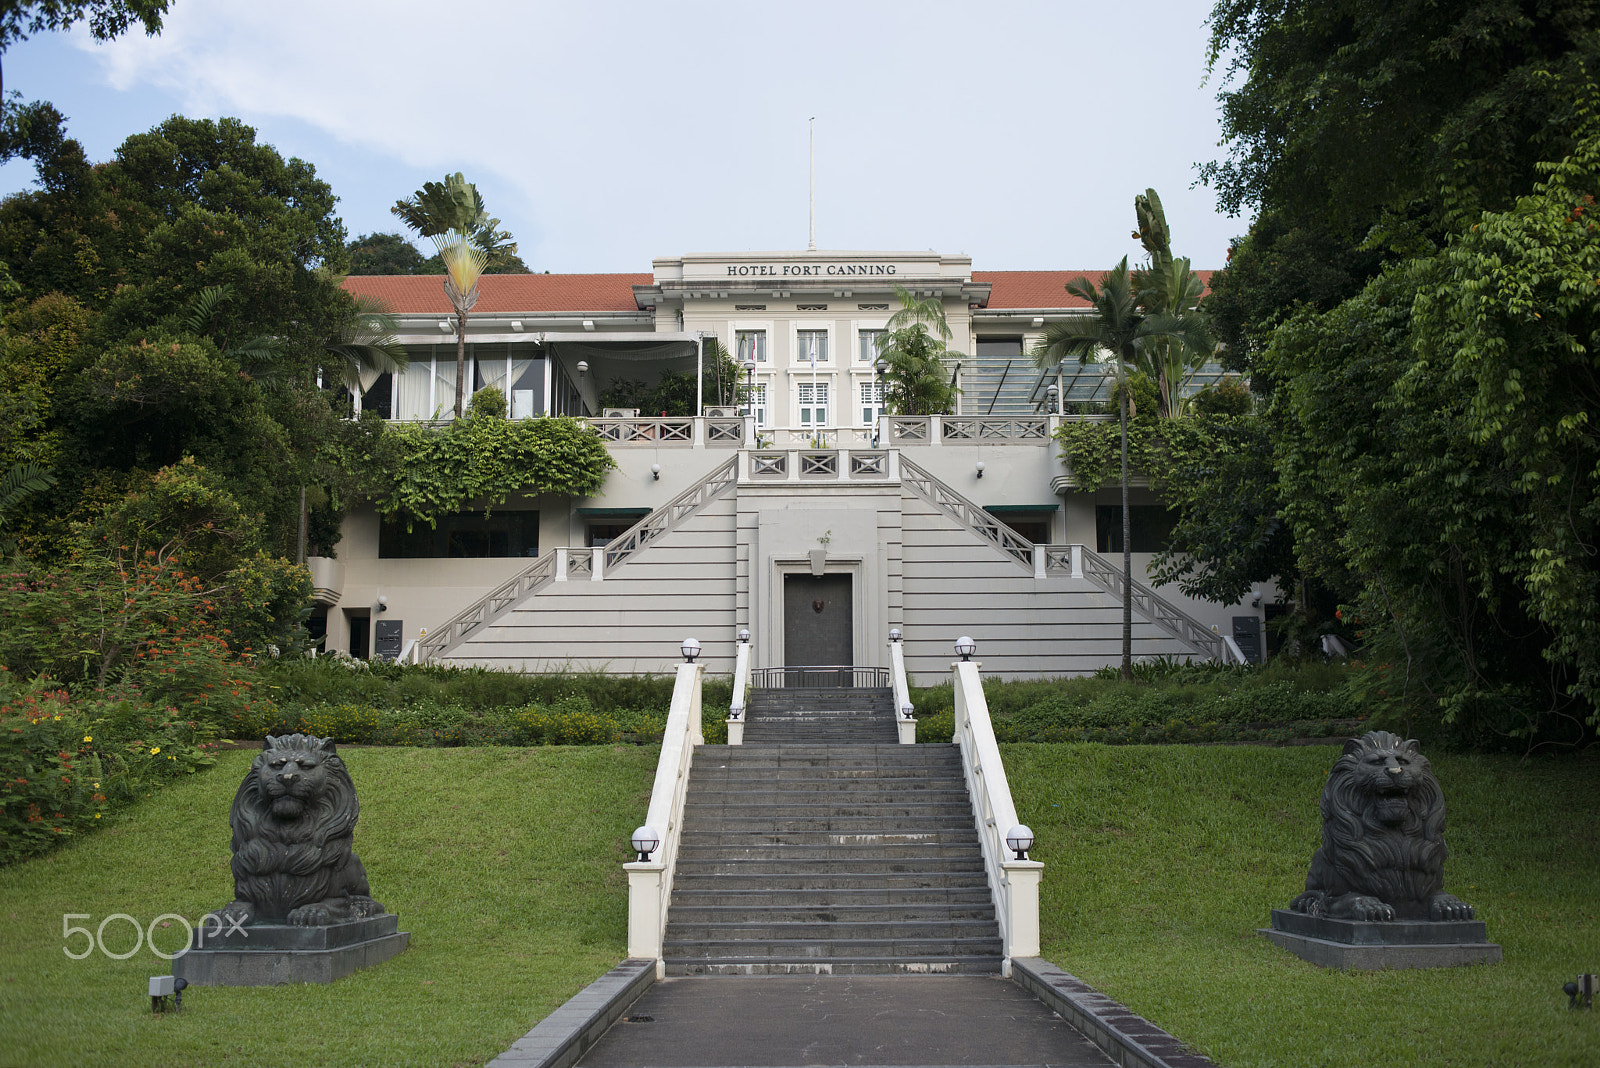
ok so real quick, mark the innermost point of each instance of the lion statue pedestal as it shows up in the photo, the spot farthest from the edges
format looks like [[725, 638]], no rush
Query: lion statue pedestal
[[1375, 894], [302, 911]]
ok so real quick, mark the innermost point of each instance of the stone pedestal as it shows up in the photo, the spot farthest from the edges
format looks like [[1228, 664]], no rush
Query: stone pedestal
[[269, 954], [1355, 945]]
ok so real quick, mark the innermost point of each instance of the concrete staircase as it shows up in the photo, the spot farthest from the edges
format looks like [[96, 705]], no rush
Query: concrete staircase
[[815, 848], [820, 717]]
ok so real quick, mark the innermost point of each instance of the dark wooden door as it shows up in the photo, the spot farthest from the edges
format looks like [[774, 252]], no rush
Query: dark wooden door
[[817, 614]]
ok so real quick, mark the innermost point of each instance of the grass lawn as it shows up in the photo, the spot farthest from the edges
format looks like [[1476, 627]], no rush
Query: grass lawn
[[1161, 862], [504, 864]]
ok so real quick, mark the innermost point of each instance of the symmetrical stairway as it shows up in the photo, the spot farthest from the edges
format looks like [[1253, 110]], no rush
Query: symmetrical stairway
[[820, 717], [819, 848]]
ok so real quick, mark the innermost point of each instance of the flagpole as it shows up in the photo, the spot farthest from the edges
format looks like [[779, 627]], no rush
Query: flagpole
[[812, 247]]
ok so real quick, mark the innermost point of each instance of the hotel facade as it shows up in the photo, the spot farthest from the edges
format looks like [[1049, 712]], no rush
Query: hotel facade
[[807, 516]]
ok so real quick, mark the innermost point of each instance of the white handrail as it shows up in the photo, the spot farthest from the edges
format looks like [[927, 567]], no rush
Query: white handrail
[[905, 716], [741, 685], [650, 881], [1013, 883]]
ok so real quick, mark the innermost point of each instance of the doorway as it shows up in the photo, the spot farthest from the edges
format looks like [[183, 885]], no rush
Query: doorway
[[818, 620]]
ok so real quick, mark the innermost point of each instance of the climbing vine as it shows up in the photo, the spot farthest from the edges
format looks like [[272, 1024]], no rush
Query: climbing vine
[[419, 473]]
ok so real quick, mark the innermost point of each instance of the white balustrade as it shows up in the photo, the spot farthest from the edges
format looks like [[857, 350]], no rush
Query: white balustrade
[[650, 881], [1013, 883], [737, 714], [905, 714]]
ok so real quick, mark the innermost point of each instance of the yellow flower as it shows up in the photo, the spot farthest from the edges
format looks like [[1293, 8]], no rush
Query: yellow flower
[[97, 786], [156, 750], [88, 738], [97, 815]]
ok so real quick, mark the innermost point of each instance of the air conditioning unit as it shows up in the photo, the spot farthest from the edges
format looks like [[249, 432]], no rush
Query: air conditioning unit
[[725, 411], [620, 413]]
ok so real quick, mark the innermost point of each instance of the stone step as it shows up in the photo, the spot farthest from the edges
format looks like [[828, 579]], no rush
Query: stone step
[[812, 790], [735, 878], [687, 914], [786, 897], [841, 845], [858, 865], [758, 937], [893, 819], [740, 807], [733, 949], [928, 965]]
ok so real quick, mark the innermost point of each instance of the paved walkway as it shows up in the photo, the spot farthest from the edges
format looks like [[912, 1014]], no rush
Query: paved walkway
[[771, 1021]]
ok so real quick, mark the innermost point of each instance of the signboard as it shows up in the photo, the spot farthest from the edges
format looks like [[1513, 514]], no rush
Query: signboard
[[386, 638], [1247, 635]]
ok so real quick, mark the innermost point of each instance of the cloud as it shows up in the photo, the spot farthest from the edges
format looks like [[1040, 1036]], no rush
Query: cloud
[[607, 133]]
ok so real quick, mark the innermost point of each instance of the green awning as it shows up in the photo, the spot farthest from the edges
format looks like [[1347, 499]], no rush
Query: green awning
[[613, 513]]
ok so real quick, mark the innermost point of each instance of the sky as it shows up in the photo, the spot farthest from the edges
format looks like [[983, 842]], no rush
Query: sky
[[605, 133]]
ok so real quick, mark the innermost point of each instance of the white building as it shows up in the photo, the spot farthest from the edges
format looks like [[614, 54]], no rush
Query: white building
[[815, 522]]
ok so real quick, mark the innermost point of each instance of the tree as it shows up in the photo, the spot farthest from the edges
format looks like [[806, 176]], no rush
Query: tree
[[451, 214], [1118, 327], [1168, 289], [385, 254], [915, 344]]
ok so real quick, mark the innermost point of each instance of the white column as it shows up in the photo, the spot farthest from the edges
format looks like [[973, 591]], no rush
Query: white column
[[1038, 561], [1022, 879], [644, 910], [597, 565], [561, 565]]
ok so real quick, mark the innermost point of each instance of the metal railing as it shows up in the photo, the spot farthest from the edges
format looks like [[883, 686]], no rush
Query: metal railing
[[1146, 602], [820, 677], [969, 514]]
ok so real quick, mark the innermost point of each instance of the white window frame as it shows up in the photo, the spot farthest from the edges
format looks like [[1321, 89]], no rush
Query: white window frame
[[858, 382], [758, 404], [807, 410], [738, 326], [856, 328], [825, 327]]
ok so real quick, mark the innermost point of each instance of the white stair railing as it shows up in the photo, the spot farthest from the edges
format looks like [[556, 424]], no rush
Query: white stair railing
[[1013, 883], [905, 714], [1146, 602], [650, 881], [545, 570], [737, 716]]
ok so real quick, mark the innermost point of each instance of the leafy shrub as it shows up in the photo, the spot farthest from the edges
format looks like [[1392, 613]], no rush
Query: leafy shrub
[[67, 762]]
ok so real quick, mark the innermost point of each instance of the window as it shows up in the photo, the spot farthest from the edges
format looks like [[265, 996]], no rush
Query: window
[[760, 405], [379, 396], [810, 346], [1149, 524], [751, 345], [867, 345], [871, 402], [813, 403], [1030, 522], [464, 535]]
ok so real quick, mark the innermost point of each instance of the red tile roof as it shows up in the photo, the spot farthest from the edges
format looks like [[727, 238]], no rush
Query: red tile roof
[[423, 294], [1040, 289]]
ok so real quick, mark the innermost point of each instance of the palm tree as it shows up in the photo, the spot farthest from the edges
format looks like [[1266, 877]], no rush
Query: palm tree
[[915, 344], [1118, 326], [452, 216]]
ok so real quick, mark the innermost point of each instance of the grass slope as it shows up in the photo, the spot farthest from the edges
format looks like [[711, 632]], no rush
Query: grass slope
[[504, 864], [1161, 862]]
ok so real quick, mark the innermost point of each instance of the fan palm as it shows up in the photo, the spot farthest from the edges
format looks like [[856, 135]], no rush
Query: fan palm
[[1117, 326], [452, 216]]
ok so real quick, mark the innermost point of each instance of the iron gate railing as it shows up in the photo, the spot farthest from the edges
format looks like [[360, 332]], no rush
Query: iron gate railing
[[820, 677]]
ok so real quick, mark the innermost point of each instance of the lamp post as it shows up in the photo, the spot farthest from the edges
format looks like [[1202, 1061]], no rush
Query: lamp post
[[645, 842], [965, 647], [691, 649], [881, 367], [1019, 840], [1052, 396]]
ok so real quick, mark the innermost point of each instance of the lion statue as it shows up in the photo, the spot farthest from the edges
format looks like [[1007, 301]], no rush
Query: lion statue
[[1383, 851], [292, 821]]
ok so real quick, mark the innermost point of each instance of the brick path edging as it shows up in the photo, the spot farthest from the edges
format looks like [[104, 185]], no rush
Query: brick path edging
[[1127, 1038]]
